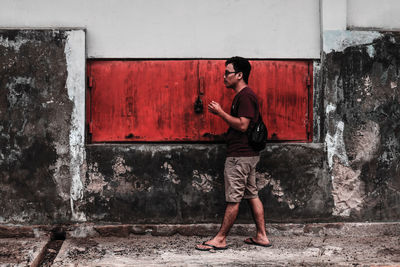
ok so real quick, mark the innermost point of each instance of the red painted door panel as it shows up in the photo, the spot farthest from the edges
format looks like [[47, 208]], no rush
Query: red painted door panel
[[153, 100], [284, 95], [211, 75], [143, 100], [281, 87]]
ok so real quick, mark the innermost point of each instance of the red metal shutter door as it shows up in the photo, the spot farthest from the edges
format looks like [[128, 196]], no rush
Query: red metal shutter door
[[153, 100]]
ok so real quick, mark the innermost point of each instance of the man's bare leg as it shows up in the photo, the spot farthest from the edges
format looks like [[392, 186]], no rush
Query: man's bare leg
[[231, 212], [257, 210]]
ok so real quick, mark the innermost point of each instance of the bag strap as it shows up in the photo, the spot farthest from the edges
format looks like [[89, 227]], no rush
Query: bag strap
[[255, 122], [258, 111]]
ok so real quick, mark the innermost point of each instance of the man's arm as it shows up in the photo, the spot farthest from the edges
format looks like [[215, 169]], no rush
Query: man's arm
[[240, 124]]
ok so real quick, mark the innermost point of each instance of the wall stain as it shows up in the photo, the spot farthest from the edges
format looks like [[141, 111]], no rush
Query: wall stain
[[202, 181], [361, 81], [170, 175]]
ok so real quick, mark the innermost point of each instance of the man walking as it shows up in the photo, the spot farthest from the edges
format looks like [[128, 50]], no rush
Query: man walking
[[241, 160]]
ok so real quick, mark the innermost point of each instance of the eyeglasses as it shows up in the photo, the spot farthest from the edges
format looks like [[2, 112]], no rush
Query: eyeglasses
[[226, 73]]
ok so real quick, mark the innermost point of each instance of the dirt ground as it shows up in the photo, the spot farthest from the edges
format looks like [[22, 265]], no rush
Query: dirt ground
[[20, 251], [147, 250], [334, 244]]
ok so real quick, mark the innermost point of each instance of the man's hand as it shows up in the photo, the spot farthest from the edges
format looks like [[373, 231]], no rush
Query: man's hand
[[215, 108], [240, 124]]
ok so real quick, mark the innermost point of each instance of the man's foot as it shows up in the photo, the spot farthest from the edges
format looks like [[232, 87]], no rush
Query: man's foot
[[210, 245], [254, 241]]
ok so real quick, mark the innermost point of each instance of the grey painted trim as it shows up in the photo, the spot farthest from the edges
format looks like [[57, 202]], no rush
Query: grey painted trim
[[317, 101]]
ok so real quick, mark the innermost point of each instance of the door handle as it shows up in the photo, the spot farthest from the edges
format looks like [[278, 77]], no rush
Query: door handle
[[201, 86], [198, 104]]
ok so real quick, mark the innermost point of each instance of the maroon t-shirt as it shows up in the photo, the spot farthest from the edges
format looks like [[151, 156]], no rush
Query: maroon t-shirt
[[244, 105]]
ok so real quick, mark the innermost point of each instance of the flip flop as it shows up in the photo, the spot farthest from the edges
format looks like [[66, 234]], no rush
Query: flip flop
[[211, 247], [251, 241]]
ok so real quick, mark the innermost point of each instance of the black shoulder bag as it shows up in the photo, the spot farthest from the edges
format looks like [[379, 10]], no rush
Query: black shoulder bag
[[257, 133]]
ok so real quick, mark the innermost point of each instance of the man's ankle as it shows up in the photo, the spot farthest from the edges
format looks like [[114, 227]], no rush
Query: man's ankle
[[220, 238], [261, 235]]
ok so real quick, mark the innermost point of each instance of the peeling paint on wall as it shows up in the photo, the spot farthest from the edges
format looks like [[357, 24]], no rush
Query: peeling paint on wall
[[365, 143], [170, 175], [348, 190], [299, 185], [317, 103], [362, 122], [371, 51], [335, 143], [127, 182], [96, 182], [336, 40], [265, 179], [119, 167], [75, 57], [15, 44], [202, 181], [15, 95], [35, 118]]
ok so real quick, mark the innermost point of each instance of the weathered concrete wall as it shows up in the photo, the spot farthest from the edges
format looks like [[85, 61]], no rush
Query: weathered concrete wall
[[48, 174], [362, 122], [40, 134], [184, 183]]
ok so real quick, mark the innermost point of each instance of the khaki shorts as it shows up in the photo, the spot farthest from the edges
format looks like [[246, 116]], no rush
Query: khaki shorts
[[240, 178]]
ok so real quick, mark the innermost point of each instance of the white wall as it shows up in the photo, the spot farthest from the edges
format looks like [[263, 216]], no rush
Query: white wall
[[375, 14], [179, 28], [333, 14]]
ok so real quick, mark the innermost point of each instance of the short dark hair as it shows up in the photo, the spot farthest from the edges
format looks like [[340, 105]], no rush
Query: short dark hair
[[240, 65]]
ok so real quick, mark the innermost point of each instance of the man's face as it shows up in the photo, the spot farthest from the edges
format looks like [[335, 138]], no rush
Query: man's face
[[230, 76]]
